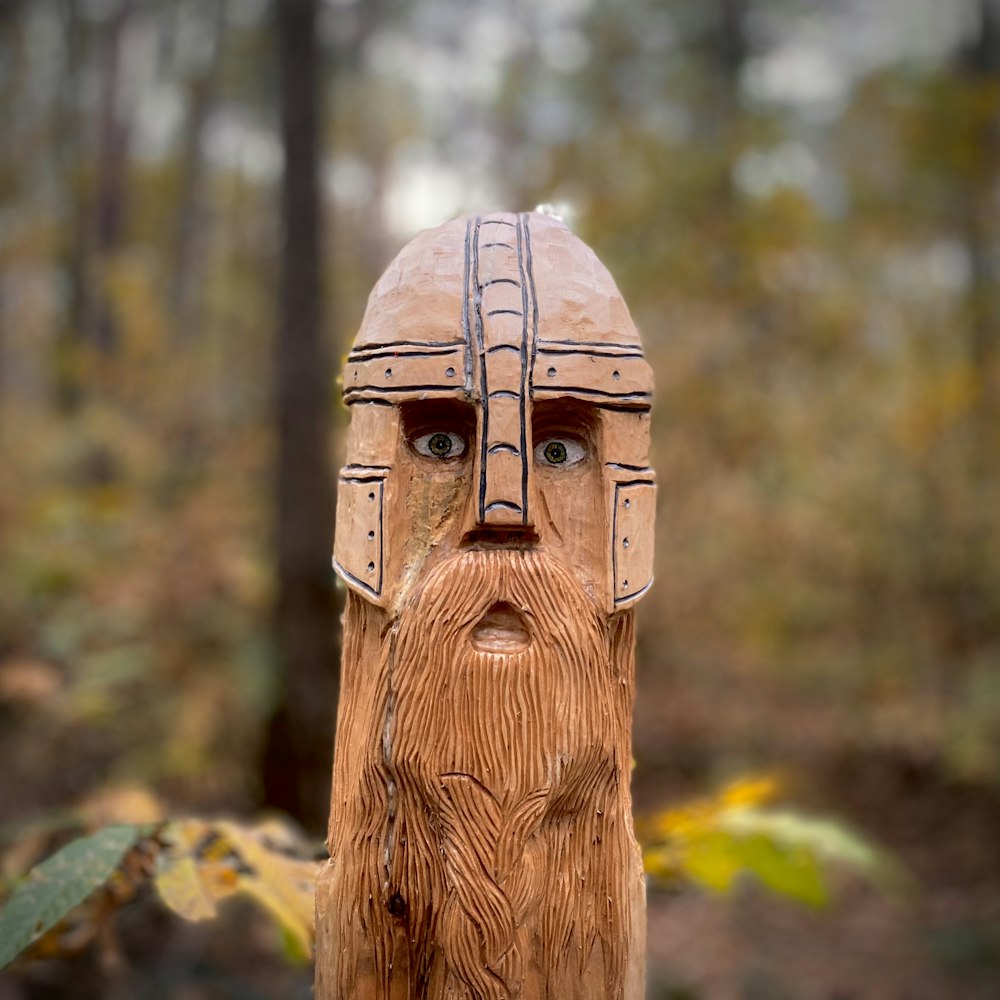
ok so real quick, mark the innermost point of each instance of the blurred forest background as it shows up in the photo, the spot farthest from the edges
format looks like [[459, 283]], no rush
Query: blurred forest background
[[799, 200]]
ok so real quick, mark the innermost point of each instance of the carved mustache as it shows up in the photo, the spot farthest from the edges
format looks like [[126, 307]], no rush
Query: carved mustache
[[512, 596]]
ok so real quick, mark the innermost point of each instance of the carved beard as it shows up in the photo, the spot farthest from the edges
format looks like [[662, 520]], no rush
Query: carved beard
[[481, 842]]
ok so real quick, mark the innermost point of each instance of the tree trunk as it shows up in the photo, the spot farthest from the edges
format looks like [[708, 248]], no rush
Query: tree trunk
[[76, 240], [299, 756], [980, 65], [111, 179], [187, 250]]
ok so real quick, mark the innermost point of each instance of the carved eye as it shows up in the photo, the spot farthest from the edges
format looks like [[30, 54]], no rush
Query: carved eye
[[560, 452], [440, 444]]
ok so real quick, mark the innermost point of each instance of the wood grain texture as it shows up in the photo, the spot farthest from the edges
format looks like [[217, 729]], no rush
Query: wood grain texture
[[481, 838], [481, 843]]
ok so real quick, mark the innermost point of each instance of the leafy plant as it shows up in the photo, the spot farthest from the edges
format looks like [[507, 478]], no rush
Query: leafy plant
[[60, 883], [717, 842], [196, 863]]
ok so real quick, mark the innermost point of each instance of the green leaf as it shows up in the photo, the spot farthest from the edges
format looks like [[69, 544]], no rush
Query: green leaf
[[826, 840], [715, 842], [50, 890], [714, 861], [788, 870]]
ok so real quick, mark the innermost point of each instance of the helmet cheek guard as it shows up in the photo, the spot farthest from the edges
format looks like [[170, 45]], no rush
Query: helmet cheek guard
[[630, 488], [363, 496]]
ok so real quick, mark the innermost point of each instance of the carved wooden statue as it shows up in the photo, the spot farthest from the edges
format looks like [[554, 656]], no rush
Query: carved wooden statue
[[495, 528]]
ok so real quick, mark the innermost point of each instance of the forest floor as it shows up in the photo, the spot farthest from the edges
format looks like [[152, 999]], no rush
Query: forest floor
[[939, 942]]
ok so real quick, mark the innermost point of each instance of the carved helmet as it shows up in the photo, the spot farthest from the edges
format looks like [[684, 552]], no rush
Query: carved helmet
[[515, 316]]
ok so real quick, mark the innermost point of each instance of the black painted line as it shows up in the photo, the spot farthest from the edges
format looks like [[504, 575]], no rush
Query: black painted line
[[593, 344], [406, 343], [534, 306], [502, 347], [366, 402], [391, 353], [361, 583], [483, 390], [363, 479], [501, 281], [571, 351], [507, 245], [579, 389], [498, 222], [634, 482], [503, 394], [636, 594], [415, 387], [504, 312], [521, 227], [614, 546], [356, 467], [466, 305], [628, 468], [494, 448], [381, 534], [505, 505]]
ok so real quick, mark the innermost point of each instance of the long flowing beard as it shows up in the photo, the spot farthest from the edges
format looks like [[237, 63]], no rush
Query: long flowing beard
[[481, 841]]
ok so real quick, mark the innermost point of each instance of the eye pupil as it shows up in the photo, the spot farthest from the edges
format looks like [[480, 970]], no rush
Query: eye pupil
[[555, 452], [439, 444]]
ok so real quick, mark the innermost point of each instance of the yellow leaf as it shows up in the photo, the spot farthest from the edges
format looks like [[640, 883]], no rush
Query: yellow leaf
[[180, 886], [750, 791], [210, 860], [283, 885]]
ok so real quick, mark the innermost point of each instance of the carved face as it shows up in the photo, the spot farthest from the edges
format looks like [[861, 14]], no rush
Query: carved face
[[499, 398]]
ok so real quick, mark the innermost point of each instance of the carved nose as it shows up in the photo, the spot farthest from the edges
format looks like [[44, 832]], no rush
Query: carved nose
[[504, 482], [501, 537]]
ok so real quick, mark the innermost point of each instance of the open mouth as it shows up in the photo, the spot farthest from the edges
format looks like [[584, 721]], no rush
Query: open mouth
[[501, 630]]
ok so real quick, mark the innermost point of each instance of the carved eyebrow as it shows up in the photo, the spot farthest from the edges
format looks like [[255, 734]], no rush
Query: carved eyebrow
[[628, 468]]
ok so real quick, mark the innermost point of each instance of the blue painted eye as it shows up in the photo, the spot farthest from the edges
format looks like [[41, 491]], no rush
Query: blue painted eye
[[440, 444], [559, 452]]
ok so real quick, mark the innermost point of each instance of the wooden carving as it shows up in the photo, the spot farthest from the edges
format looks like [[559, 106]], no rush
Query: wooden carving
[[494, 527]]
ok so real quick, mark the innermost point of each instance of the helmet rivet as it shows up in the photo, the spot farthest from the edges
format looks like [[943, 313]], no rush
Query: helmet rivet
[[450, 372], [551, 373]]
